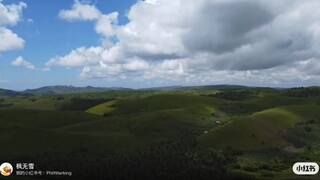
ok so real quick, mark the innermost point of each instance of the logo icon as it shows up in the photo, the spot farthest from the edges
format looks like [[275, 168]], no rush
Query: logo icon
[[6, 169], [305, 168]]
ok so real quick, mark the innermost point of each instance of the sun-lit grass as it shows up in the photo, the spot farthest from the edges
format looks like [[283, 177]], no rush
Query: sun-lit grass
[[102, 109]]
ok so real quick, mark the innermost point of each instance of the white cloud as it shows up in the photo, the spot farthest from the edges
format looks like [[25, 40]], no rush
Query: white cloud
[[151, 1], [154, 30], [11, 14], [78, 58], [80, 11], [9, 40], [209, 41], [106, 24], [19, 61], [102, 70], [136, 65]]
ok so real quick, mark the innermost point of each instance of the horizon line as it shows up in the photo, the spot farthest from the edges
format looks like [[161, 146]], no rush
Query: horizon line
[[159, 87]]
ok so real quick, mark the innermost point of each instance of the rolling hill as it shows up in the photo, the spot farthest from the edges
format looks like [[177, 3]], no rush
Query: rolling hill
[[285, 128], [266, 126]]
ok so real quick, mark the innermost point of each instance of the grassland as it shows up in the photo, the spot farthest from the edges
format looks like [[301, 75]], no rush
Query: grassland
[[265, 132]]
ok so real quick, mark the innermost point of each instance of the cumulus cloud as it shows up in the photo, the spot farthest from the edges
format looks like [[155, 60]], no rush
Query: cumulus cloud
[[80, 11], [106, 24], [222, 27], [9, 40], [10, 15], [19, 61], [78, 58], [136, 65], [213, 41]]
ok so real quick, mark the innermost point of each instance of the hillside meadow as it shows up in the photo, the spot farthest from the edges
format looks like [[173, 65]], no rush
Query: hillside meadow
[[199, 133]]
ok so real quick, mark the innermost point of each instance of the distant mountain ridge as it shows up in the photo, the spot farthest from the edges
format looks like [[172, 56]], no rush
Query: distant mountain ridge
[[219, 86], [70, 90], [161, 88], [8, 93], [63, 89]]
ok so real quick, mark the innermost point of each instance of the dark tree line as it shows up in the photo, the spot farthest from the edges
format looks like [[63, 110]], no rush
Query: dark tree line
[[303, 92], [235, 95]]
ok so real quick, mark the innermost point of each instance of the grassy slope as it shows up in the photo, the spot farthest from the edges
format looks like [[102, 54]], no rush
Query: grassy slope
[[163, 102], [23, 141], [156, 117], [136, 122], [27, 132], [44, 118], [311, 116], [280, 128], [102, 108], [278, 132], [257, 132], [164, 116], [268, 129], [168, 115]]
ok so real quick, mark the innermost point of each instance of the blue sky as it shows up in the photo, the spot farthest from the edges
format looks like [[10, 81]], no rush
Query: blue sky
[[47, 36], [149, 43]]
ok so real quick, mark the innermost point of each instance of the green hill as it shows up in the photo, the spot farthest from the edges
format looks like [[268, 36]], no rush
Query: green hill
[[276, 128], [260, 136], [156, 117]]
